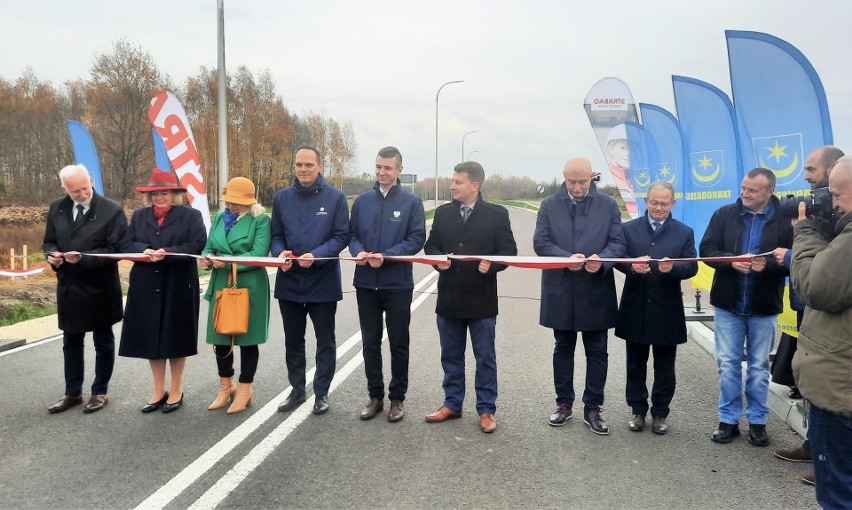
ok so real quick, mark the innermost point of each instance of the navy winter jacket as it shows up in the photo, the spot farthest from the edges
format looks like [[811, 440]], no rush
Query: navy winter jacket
[[312, 219], [391, 225]]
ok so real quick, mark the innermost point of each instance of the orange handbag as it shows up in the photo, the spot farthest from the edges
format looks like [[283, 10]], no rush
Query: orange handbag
[[231, 312]]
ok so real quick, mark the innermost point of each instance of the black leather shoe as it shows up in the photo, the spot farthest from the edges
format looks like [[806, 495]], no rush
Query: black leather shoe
[[293, 400], [320, 404], [757, 435], [65, 403], [726, 432], [596, 424], [150, 408], [168, 408], [560, 416]]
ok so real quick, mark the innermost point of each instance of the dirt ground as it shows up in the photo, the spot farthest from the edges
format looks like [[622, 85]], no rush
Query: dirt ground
[[40, 290], [25, 225]]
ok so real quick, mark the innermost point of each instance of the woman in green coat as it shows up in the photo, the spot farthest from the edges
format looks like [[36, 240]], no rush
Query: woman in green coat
[[242, 229]]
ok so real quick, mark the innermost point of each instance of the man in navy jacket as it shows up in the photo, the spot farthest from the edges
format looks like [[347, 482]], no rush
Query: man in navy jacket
[[651, 312], [577, 221], [310, 219], [386, 220], [467, 291]]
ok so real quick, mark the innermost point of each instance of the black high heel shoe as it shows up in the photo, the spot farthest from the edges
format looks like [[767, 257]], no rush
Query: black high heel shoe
[[168, 408], [150, 408]]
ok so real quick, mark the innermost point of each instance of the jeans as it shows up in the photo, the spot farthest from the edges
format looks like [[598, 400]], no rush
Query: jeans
[[830, 437], [752, 335], [295, 322], [597, 360], [453, 333], [396, 307], [663, 389], [72, 349]]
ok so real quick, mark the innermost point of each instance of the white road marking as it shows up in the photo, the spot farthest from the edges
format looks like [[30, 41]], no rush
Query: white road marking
[[195, 470], [30, 345]]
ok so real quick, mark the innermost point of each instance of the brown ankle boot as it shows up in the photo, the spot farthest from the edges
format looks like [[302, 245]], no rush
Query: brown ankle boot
[[226, 391], [242, 399]]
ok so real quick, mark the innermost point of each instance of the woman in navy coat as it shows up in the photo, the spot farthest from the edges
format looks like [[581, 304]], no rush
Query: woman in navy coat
[[161, 315]]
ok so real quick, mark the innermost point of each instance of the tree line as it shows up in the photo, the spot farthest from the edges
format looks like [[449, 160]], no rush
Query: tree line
[[113, 105]]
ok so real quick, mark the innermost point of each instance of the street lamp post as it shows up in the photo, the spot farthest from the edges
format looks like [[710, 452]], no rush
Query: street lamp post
[[470, 153], [463, 137], [437, 96]]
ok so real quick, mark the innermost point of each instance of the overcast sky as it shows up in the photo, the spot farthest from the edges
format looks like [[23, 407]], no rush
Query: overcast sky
[[526, 66]]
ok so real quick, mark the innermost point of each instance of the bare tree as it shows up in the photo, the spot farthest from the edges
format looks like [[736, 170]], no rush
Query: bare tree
[[123, 82]]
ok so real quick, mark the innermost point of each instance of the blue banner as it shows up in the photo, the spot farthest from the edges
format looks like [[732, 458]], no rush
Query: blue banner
[[161, 157], [641, 153], [670, 160], [85, 153], [782, 113], [708, 123]]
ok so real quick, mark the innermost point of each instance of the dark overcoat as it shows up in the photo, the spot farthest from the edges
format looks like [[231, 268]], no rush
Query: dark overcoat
[[651, 309], [250, 237], [578, 300], [88, 293], [464, 292], [161, 314]]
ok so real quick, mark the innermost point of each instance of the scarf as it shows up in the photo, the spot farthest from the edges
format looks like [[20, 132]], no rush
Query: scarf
[[230, 218], [160, 213]]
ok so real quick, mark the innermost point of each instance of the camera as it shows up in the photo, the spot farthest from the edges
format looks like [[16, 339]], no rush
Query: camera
[[817, 205]]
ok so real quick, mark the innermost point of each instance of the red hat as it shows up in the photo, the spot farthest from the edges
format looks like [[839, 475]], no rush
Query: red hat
[[161, 180]]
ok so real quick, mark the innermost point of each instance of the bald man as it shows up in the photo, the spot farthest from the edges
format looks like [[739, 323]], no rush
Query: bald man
[[821, 276], [577, 221]]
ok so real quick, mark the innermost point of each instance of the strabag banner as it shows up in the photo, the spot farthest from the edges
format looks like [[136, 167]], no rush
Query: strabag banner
[[609, 104], [170, 122]]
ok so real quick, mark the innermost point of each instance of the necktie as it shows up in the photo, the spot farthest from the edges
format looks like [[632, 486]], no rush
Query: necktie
[[656, 225], [465, 213], [81, 217]]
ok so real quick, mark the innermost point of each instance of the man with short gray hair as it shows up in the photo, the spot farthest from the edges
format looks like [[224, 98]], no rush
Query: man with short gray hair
[[651, 313], [88, 290], [822, 365]]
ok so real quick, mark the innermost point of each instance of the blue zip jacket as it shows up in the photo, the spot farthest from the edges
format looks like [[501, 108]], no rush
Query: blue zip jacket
[[312, 219], [391, 225]]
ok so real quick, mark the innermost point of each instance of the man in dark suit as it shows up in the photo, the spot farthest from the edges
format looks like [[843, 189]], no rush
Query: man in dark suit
[[651, 312], [467, 291], [577, 221], [88, 291]]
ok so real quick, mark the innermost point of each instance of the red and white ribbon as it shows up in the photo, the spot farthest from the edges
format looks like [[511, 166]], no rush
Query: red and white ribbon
[[12, 273], [514, 261]]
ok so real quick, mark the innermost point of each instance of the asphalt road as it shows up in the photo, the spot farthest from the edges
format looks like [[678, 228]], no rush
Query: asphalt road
[[120, 458]]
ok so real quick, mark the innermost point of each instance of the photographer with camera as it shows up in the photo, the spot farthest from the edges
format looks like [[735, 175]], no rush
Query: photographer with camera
[[822, 365], [817, 169]]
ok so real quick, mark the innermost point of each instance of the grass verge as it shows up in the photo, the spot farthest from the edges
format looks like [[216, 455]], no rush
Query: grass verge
[[19, 312]]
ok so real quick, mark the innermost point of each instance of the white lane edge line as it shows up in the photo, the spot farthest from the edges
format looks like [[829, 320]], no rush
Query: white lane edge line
[[31, 345], [232, 479], [206, 461]]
